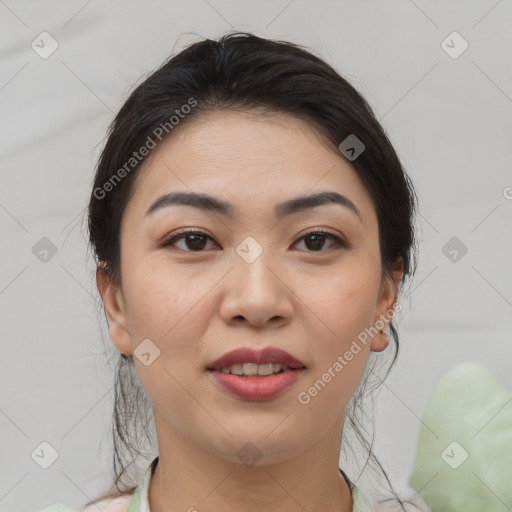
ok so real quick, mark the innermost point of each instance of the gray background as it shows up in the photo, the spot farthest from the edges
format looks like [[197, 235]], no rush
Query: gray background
[[449, 119]]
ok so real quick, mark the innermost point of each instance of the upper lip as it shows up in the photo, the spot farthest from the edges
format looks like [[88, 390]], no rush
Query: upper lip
[[251, 355]]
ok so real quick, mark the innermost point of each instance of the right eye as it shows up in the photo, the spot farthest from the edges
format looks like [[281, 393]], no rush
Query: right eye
[[195, 241]]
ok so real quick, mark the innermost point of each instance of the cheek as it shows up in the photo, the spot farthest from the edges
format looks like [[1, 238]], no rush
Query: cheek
[[161, 301], [166, 309], [172, 309], [344, 299], [339, 362]]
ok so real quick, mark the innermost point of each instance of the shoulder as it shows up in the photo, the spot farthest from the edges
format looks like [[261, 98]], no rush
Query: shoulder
[[110, 504], [57, 507]]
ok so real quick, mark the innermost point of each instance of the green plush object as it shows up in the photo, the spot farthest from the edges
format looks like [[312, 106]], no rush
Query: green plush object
[[464, 453]]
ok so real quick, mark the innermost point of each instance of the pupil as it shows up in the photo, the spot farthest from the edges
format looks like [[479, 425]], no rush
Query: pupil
[[195, 243], [317, 245]]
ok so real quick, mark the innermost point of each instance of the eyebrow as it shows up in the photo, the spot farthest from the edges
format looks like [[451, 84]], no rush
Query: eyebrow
[[291, 206]]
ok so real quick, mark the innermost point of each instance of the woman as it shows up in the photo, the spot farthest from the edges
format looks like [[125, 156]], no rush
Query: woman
[[253, 227]]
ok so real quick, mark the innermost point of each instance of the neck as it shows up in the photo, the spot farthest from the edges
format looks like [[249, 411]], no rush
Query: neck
[[189, 477]]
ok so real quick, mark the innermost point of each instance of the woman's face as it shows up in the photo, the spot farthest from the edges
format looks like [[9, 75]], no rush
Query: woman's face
[[252, 279]]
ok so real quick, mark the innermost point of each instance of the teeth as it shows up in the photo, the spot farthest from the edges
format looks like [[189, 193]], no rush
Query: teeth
[[251, 369]]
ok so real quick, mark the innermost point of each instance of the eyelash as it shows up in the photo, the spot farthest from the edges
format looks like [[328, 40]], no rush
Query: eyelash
[[339, 242]]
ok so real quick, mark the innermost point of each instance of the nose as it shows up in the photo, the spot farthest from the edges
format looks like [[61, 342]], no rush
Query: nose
[[257, 293]]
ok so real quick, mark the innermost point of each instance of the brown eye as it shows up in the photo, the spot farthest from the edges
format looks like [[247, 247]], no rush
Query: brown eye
[[194, 241], [315, 241]]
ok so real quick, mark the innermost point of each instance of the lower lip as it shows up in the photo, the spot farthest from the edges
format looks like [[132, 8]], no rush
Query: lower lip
[[256, 388]]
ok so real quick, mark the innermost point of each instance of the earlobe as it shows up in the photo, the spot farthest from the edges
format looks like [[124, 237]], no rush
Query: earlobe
[[386, 306], [113, 303], [380, 341]]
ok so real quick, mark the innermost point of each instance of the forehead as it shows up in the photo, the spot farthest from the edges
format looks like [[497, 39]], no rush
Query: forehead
[[249, 160]]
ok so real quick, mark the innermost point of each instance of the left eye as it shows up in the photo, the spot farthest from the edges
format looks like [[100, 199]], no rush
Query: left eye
[[318, 239], [195, 241]]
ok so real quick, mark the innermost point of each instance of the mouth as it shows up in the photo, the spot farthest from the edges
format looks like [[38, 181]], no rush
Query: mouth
[[252, 387], [250, 362], [256, 375], [254, 370]]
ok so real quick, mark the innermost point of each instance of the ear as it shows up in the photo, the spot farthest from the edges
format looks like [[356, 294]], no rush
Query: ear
[[114, 309], [388, 296]]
